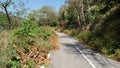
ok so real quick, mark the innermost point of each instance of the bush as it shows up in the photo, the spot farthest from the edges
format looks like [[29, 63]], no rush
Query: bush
[[93, 12], [69, 32], [26, 30], [75, 32], [45, 32], [30, 43], [97, 44], [105, 43], [84, 36], [117, 54]]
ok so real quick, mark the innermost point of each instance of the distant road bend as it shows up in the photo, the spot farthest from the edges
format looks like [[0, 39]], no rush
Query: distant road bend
[[72, 54]]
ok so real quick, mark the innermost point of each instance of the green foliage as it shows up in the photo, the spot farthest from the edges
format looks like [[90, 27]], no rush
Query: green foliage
[[67, 31], [84, 36], [94, 9], [101, 28], [117, 54], [71, 16], [62, 15], [106, 43], [45, 16], [3, 17], [30, 64], [75, 32], [107, 5], [97, 44], [26, 30], [29, 29], [28, 38], [15, 64], [93, 12], [3, 21], [45, 32]]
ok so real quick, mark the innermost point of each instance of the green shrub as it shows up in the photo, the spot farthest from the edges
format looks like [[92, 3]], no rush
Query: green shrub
[[93, 12], [67, 31], [104, 43], [30, 64], [97, 44], [45, 32], [117, 54], [27, 29], [75, 32], [30, 39], [84, 36]]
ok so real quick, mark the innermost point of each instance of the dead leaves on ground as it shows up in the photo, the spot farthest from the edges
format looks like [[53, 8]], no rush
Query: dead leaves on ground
[[37, 54]]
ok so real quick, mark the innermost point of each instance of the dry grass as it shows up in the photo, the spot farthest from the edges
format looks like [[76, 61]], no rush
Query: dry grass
[[59, 29], [4, 49], [54, 42]]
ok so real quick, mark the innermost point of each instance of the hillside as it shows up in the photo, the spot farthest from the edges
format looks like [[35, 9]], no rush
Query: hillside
[[97, 25]]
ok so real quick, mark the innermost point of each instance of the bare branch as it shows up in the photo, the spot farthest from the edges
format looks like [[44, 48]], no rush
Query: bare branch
[[7, 2], [2, 4]]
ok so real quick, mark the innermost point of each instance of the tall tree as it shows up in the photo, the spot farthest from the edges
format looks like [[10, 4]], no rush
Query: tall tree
[[78, 6], [45, 16]]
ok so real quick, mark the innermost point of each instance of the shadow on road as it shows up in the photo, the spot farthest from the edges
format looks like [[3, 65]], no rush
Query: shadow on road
[[100, 61], [97, 58]]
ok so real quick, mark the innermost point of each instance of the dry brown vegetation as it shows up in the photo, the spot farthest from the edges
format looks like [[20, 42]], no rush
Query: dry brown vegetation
[[54, 42]]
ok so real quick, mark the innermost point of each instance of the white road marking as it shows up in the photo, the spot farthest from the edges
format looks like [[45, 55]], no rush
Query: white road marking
[[48, 56], [42, 67], [88, 60]]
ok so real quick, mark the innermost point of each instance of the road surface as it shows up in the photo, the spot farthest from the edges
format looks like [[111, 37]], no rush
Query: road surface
[[72, 54]]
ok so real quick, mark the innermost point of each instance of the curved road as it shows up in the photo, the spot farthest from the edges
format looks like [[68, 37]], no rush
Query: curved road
[[72, 54]]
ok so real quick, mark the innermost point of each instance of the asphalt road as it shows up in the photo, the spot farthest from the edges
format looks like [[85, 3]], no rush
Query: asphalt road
[[72, 54]]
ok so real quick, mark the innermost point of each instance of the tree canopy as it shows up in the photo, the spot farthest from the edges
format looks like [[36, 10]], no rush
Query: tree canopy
[[45, 16]]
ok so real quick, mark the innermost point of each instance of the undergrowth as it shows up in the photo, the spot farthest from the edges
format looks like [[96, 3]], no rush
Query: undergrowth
[[107, 42], [5, 49], [26, 46]]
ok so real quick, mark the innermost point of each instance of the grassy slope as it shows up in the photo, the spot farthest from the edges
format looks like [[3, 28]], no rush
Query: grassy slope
[[5, 49], [11, 53]]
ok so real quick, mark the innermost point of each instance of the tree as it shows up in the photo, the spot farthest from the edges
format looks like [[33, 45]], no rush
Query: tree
[[18, 9], [62, 13], [5, 5], [78, 6], [45, 16]]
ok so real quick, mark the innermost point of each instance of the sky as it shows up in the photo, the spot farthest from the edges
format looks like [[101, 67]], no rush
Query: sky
[[37, 4]]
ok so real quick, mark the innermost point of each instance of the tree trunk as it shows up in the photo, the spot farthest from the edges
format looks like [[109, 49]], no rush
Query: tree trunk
[[82, 13], [78, 16], [8, 17]]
